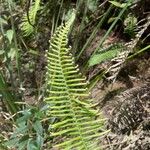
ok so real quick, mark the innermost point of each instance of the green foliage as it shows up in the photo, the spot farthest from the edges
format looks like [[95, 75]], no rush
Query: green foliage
[[147, 48], [76, 123], [130, 24], [29, 133], [117, 4], [92, 5], [28, 22], [105, 54], [100, 42], [7, 49], [9, 35], [8, 96], [2, 141]]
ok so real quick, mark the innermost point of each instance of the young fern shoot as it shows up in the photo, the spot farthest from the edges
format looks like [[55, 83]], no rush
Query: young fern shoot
[[76, 124]]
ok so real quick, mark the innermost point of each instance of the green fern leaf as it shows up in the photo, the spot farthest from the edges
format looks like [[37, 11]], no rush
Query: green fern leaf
[[75, 123], [26, 26], [106, 54]]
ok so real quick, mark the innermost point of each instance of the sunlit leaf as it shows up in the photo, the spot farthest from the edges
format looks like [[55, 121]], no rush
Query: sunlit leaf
[[117, 4], [38, 127], [9, 35], [92, 5], [39, 141], [3, 21]]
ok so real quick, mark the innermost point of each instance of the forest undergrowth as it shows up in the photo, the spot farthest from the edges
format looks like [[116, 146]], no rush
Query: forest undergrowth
[[74, 75]]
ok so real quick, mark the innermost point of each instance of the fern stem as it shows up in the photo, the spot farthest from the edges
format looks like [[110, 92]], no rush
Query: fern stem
[[140, 51]]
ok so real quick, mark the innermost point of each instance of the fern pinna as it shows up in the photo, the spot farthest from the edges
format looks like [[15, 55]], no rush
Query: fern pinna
[[76, 124]]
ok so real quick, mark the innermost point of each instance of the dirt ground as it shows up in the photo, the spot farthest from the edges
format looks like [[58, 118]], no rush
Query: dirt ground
[[126, 104]]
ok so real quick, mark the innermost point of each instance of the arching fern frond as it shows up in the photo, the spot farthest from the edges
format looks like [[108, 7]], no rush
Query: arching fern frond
[[28, 22], [77, 124]]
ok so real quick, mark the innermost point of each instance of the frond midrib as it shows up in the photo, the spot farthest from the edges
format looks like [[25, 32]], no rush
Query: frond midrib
[[70, 99]]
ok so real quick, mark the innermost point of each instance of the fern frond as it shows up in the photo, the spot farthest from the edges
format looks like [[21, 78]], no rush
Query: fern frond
[[76, 119], [26, 26], [106, 54]]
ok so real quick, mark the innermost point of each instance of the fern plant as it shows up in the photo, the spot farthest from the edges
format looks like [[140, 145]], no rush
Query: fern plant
[[76, 124], [28, 22]]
